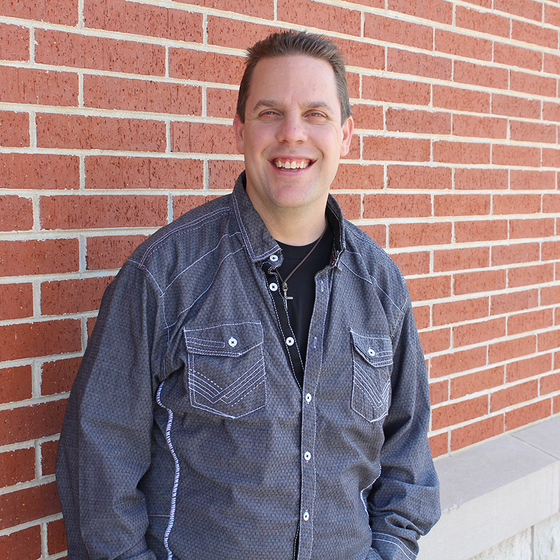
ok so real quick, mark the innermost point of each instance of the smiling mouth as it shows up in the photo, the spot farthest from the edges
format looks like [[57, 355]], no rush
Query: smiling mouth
[[283, 163]]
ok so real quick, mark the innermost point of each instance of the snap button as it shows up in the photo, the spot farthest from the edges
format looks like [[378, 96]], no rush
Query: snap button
[[371, 352], [273, 286], [290, 341], [307, 456], [306, 516], [232, 342], [308, 397], [274, 258]]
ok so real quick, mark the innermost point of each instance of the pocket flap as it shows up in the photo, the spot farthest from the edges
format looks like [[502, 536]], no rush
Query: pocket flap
[[377, 350], [229, 339]]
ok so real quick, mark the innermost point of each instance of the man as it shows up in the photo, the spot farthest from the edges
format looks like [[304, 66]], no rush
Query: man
[[254, 387]]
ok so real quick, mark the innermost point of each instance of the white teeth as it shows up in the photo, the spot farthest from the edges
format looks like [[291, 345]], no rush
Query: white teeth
[[291, 164]]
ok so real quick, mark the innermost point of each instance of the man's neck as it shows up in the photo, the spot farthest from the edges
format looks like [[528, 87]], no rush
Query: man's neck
[[297, 232]]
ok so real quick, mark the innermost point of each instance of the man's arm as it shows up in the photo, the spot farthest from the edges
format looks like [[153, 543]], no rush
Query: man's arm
[[105, 444], [404, 502]]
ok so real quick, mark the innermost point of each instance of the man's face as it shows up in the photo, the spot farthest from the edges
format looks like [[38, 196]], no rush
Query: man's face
[[292, 137]]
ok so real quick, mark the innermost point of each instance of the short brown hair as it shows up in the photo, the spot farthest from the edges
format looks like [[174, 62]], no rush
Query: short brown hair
[[295, 43]]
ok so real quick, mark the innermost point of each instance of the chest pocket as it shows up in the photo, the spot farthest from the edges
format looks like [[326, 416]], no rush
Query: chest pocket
[[226, 373], [372, 358]]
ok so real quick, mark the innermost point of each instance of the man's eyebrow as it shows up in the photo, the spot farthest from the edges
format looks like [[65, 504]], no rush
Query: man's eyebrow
[[315, 104]]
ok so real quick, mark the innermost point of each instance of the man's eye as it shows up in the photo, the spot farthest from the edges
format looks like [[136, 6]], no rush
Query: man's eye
[[316, 115]]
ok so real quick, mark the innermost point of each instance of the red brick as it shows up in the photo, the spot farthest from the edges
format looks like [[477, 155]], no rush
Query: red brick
[[144, 19], [377, 232], [550, 250], [29, 504], [422, 289], [17, 301], [56, 537], [351, 205], [479, 127], [516, 155], [531, 321], [57, 377], [534, 34], [38, 171], [367, 117], [516, 204], [549, 340], [458, 44], [16, 213], [530, 275], [515, 301], [476, 382], [432, 10], [481, 230], [525, 8], [26, 85], [356, 176], [524, 179], [419, 234], [417, 262], [518, 253], [550, 157], [456, 413], [142, 95], [439, 392], [323, 16], [202, 138], [381, 89], [511, 106], [482, 22], [362, 55], [458, 99], [183, 204], [481, 179], [551, 63], [53, 11], [205, 66], [418, 177], [457, 361], [550, 295], [221, 102], [439, 445], [14, 129], [422, 316], [395, 30], [549, 384], [386, 148], [509, 349], [222, 174], [476, 432], [461, 152], [100, 53], [110, 252], [101, 133], [532, 84], [533, 132], [14, 42], [461, 204], [108, 172], [435, 340], [551, 204], [15, 384], [521, 57], [528, 414], [17, 466], [552, 15], [257, 8], [102, 211], [530, 367], [51, 256], [25, 543], [461, 310], [48, 457], [419, 64], [72, 296], [478, 75], [39, 339], [422, 122], [480, 281], [531, 228], [235, 34], [397, 205], [476, 333]]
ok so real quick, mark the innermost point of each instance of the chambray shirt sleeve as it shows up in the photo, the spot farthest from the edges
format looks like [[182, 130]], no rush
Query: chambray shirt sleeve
[[404, 502], [105, 444]]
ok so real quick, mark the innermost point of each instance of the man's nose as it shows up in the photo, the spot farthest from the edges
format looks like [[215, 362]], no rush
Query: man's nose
[[292, 130]]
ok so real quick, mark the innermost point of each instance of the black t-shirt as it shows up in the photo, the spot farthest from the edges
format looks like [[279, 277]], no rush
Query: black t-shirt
[[301, 286]]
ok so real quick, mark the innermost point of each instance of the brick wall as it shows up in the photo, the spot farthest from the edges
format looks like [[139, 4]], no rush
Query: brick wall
[[115, 118]]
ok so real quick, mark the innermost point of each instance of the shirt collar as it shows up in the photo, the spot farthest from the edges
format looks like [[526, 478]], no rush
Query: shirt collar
[[260, 244]]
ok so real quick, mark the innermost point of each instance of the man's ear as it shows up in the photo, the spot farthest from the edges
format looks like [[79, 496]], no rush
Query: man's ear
[[347, 129], [238, 127]]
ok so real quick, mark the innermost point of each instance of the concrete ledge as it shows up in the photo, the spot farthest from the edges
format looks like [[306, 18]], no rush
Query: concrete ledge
[[495, 490]]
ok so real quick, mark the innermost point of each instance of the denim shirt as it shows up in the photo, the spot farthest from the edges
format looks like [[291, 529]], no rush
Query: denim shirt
[[187, 435]]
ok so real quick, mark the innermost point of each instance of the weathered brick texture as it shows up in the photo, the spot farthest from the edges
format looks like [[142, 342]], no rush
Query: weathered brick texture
[[115, 118]]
